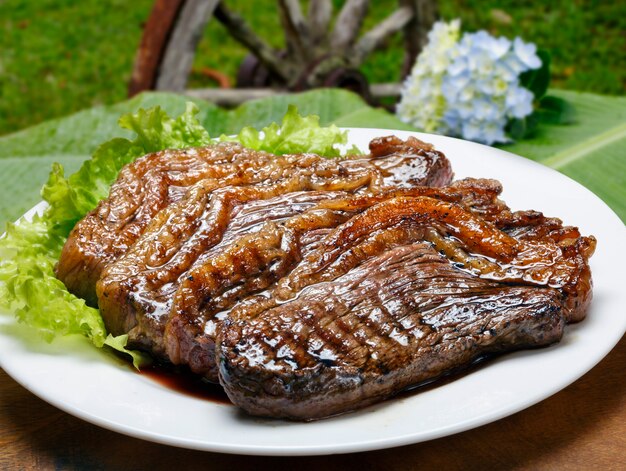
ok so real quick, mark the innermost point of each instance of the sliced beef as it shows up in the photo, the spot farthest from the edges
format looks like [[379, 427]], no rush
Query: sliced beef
[[142, 189], [256, 261], [135, 292], [309, 286], [403, 292], [151, 183]]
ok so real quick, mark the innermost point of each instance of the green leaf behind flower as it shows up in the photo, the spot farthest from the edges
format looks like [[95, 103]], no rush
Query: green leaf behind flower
[[538, 80], [555, 110], [591, 150]]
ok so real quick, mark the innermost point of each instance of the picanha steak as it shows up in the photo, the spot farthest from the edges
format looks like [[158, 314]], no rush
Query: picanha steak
[[154, 181], [403, 292], [135, 292], [310, 287]]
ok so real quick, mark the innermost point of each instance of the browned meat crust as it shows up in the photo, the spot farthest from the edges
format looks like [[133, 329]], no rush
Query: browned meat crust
[[253, 263], [151, 183], [135, 291], [403, 292]]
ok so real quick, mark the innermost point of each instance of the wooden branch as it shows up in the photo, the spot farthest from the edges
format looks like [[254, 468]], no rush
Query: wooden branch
[[230, 97], [348, 24], [381, 90], [241, 31], [153, 44], [181, 48], [296, 31], [317, 75], [416, 30], [319, 15], [294, 12], [375, 37]]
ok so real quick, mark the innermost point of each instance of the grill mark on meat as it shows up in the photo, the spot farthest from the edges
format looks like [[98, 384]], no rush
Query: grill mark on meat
[[186, 331], [387, 308], [186, 328], [149, 283], [190, 232], [336, 376], [499, 256], [154, 181]]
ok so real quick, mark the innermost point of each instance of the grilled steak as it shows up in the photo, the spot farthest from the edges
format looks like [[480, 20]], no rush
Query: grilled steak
[[153, 182], [135, 292], [310, 287], [254, 262], [142, 189], [403, 292]]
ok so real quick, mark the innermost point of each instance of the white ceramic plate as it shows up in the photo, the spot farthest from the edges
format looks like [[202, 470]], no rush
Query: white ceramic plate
[[90, 384]]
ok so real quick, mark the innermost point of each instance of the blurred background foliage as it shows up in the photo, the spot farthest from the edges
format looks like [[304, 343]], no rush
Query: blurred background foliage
[[59, 56]]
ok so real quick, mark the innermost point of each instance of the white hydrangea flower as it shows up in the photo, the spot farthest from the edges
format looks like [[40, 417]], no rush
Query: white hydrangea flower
[[468, 86], [422, 103]]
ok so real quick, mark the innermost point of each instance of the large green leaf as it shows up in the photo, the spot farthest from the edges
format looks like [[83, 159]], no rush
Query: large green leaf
[[590, 150], [26, 156], [25, 175], [333, 106]]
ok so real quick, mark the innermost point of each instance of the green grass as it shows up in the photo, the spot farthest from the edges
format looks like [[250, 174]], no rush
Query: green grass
[[59, 56]]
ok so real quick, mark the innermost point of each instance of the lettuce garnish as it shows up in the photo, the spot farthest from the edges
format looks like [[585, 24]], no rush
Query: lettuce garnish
[[30, 249], [297, 134]]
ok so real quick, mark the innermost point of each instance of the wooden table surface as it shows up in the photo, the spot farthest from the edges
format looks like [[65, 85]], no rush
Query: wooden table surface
[[582, 427]]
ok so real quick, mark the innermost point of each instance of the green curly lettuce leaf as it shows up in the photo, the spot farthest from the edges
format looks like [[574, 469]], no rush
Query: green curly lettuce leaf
[[28, 288], [296, 134], [71, 198], [30, 248]]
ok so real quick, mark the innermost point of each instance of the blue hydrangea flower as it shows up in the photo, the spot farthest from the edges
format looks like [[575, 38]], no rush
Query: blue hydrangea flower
[[527, 54], [468, 86]]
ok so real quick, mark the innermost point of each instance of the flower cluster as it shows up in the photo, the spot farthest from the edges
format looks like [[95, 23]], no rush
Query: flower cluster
[[468, 86], [423, 104]]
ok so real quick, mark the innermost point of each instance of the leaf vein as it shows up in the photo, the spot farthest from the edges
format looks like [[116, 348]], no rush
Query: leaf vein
[[584, 148]]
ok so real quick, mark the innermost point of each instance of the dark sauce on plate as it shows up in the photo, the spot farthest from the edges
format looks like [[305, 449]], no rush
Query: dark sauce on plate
[[185, 382]]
